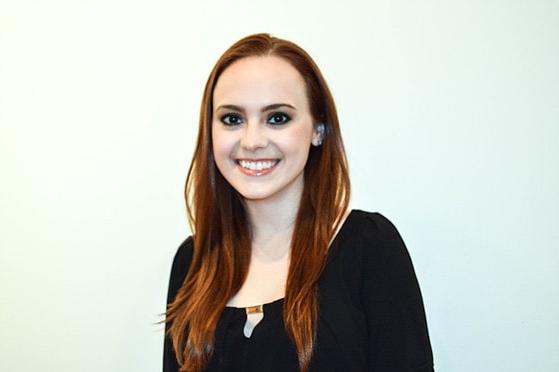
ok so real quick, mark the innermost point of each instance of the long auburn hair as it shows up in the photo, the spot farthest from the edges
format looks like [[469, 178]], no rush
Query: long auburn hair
[[220, 225]]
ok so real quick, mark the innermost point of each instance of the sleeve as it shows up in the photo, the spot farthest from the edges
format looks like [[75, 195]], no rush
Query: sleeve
[[398, 339], [179, 269]]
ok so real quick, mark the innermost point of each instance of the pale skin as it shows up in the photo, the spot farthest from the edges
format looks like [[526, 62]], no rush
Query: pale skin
[[250, 85]]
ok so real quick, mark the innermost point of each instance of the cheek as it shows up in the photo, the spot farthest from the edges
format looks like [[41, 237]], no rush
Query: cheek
[[297, 143], [220, 145]]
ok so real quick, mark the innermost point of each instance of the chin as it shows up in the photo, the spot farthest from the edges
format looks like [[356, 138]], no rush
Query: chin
[[253, 196]]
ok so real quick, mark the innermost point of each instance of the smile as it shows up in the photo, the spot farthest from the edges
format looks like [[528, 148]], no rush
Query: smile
[[257, 167]]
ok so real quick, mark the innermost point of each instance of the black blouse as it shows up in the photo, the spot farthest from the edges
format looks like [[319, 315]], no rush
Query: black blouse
[[371, 313]]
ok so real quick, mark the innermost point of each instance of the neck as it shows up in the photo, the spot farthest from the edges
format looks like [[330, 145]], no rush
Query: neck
[[273, 217], [269, 220]]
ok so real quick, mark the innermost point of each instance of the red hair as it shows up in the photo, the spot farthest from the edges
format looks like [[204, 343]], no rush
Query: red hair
[[219, 221]]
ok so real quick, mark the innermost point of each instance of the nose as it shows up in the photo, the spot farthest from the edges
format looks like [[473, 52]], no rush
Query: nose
[[253, 137]]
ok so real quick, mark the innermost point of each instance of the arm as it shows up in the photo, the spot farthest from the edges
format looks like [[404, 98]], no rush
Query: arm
[[396, 324], [180, 266]]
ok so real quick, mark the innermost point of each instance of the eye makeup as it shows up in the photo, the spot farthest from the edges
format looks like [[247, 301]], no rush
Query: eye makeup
[[277, 118]]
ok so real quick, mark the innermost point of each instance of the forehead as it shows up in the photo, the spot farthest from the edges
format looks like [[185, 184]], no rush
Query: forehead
[[258, 81]]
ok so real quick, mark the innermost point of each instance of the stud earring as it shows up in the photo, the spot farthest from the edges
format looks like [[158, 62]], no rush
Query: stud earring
[[317, 141]]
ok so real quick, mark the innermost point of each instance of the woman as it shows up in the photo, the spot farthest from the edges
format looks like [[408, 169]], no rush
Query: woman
[[279, 274]]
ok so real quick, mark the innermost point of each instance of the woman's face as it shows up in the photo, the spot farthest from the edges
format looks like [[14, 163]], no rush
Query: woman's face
[[262, 128]]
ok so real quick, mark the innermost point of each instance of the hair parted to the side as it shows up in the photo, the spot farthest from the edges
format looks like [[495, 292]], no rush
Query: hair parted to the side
[[220, 225]]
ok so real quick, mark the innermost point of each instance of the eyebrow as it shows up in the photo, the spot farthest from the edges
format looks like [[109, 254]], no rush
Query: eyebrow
[[266, 108]]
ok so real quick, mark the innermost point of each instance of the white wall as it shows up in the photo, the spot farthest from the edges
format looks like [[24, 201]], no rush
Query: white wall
[[450, 112]]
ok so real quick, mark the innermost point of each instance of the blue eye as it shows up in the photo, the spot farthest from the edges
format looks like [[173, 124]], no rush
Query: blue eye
[[278, 118], [231, 119]]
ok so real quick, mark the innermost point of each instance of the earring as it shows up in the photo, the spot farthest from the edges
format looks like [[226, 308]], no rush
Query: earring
[[317, 141]]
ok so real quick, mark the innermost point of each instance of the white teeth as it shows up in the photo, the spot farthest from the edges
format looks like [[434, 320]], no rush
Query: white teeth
[[257, 165]]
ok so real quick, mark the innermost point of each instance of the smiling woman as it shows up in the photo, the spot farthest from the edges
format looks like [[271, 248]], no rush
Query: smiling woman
[[279, 274], [259, 149]]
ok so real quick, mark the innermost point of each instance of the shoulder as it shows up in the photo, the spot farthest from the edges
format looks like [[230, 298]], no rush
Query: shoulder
[[373, 220], [373, 228], [183, 255], [378, 243], [180, 266]]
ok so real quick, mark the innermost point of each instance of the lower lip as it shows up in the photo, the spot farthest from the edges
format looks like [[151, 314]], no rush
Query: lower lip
[[261, 172]]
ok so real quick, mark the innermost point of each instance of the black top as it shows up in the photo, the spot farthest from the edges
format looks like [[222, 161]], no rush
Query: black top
[[371, 314]]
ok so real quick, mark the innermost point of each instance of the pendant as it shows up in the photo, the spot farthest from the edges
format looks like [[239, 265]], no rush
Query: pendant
[[254, 315]]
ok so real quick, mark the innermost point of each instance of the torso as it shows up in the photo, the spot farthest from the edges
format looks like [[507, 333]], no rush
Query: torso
[[267, 275]]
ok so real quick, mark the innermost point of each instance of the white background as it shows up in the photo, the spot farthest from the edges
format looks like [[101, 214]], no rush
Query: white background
[[450, 116]]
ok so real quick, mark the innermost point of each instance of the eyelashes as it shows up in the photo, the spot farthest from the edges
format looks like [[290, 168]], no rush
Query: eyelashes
[[276, 119], [283, 118], [230, 119]]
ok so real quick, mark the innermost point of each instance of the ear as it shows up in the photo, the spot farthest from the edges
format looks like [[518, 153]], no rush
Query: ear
[[318, 134]]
